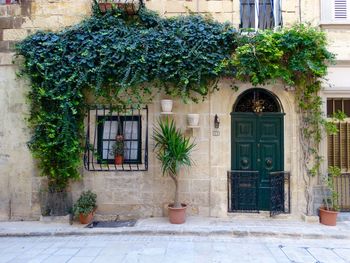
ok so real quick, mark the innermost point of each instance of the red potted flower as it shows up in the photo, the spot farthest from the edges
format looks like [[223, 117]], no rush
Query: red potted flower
[[118, 150]]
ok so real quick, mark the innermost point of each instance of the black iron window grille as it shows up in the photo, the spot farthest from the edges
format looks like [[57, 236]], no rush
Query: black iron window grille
[[116, 140], [260, 14]]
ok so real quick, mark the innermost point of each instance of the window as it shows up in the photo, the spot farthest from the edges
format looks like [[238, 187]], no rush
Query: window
[[339, 151], [260, 14], [339, 143], [116, 140], [128, 128], [335, 11]]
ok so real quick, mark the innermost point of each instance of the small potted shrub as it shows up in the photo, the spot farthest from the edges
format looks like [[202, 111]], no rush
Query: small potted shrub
[[118, 150], [105, 5], [173, 150], [85, 207], [329, 210]]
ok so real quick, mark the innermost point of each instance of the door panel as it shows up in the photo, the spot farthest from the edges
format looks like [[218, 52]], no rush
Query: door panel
[[243, 143], [257, 144]]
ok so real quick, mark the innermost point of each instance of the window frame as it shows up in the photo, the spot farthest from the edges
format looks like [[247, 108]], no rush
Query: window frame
[[100, 126], [275, 11], [328, 13]]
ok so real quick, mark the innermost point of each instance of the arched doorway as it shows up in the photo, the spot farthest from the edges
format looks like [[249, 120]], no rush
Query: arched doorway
[[257, 147]]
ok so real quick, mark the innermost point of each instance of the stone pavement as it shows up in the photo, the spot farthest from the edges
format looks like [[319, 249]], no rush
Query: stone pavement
[[194, 226], [171, 249]]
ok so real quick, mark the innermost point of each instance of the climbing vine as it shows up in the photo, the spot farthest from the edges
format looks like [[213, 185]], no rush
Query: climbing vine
[[123, 60]]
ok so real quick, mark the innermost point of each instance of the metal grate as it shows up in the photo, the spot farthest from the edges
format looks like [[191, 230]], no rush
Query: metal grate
[[342, 187], [243, 191], [111, 133], [280, 193], [55, 203]]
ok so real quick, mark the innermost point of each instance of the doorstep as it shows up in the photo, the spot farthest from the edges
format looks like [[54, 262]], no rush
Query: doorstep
[[194, 226]]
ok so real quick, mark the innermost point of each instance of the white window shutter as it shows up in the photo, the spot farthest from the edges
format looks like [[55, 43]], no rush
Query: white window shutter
[[341, 10]]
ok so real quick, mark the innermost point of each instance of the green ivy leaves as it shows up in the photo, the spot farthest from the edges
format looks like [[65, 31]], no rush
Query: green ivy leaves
[[122, 59]]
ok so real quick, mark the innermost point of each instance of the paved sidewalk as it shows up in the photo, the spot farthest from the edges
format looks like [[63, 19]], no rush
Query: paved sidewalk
[[194, 226], [171, 249]]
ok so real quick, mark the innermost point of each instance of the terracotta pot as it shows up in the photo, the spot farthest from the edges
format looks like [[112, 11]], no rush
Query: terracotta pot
[[328, 217], [86, 219], [119, 159], [177, 215], [105, 6]]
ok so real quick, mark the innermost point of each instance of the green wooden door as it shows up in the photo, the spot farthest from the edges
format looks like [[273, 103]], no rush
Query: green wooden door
[[257, 145]]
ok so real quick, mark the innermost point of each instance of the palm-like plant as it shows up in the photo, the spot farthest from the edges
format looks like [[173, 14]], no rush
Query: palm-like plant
[[173, 150]]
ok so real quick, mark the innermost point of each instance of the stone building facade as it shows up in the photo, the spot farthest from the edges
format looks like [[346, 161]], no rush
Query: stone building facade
[[144, 193]]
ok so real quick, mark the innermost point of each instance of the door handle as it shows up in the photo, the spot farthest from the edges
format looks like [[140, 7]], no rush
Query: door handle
[[268, 162]]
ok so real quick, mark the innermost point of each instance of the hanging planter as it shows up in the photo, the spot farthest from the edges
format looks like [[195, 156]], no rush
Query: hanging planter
[[193, 119], [131, 7], [167, 106]]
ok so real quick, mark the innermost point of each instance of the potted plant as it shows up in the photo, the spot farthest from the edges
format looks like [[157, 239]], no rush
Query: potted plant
[[173, 150], [329, 210], [85, 207], [131, 7], [118, 150], [105, 5]]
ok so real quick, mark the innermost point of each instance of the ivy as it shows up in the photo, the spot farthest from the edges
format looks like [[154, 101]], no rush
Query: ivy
[[118, 59], [123, 60]]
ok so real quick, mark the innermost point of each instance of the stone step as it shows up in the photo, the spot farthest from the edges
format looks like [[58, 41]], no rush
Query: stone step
[[343, 216]]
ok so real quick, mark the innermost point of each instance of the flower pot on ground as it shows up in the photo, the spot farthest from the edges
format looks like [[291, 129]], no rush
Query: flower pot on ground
[[329, 211], [167, 105], [177, 215], [193, 119], [173, 150], [328, 217], [118, 150], [85, 207]]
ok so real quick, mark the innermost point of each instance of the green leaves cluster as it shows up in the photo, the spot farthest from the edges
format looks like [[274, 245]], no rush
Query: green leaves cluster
[[117, 58], [121, 60]]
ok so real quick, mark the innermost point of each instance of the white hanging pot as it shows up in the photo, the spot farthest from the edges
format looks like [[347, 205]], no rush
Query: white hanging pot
[[192, 119], [167, 105]]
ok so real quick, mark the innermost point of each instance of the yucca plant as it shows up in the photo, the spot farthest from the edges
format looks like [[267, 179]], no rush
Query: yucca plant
[[173, 150]]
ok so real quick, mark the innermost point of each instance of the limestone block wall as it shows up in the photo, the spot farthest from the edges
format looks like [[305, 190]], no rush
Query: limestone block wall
[[139, 194]]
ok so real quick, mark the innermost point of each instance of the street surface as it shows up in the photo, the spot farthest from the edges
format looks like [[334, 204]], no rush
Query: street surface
[[167, 249]]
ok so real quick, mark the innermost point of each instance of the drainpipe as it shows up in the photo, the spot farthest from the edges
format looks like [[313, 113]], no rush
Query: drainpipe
[[210, 141]]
